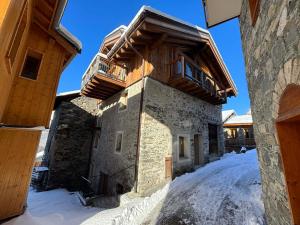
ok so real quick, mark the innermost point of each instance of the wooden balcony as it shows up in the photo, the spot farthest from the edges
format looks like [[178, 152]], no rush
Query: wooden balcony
[[103, 79], [189, 78]]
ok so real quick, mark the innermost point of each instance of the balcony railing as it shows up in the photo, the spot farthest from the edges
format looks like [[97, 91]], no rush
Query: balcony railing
[[101, 66], [185, 69], [240, 142]]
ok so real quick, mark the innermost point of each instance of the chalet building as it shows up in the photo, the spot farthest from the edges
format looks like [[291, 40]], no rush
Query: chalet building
[[238, 131], [35, 48], [162, 83], [270, 32]]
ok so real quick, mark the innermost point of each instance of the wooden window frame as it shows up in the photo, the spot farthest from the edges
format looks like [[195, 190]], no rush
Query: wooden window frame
[[28, 52], [17, 37], [254, 9]]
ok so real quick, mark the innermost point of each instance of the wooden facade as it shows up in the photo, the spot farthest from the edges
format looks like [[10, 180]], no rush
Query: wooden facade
[[34, 51], [170, 51], [288, 129]]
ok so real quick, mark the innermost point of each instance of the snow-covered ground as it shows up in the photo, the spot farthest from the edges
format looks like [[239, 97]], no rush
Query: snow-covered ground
[[225, 192]]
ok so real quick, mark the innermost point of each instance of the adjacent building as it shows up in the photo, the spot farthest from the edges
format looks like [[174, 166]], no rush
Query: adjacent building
[[67, 151], [161, 83], [238, 131], [35, 48], [270, 32]]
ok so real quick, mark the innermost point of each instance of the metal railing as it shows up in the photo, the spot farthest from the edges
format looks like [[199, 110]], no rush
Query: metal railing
[[102, 66], [186, 68]]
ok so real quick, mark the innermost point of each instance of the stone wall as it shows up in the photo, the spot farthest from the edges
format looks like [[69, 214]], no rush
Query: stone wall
[[167, 113], [120, 167], [68, 146], [271, 51]]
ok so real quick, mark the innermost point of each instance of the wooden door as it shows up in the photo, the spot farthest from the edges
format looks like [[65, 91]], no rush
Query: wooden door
[[103, 185], [198, 150], [213, 139], [288, 131]]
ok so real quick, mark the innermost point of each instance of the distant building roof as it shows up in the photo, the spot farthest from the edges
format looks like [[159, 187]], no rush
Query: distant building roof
[[226, 114], [243, 119], [229, 117], [65, 96]]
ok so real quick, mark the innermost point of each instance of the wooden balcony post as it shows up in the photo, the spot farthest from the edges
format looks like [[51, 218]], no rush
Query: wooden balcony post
[[183, 66]]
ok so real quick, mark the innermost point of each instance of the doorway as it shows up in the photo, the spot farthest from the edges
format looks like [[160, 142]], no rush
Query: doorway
[[213, 139], [103, 184], [198, 150], [288, 131]]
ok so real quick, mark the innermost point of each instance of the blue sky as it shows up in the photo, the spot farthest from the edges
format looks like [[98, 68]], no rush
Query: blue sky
[[91, 20]]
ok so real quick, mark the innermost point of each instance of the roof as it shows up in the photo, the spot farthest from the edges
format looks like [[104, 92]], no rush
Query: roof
[[61, 30], [226, 114], [155, 17], [239, 120], [65, 96], [219, 11]]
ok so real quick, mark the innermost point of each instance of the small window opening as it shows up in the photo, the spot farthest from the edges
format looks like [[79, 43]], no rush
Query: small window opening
[[31, 65], [119, 138], [183, 147], [123, 101]]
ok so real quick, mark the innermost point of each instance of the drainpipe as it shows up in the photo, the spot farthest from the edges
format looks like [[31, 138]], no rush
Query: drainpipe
[[140, 115]]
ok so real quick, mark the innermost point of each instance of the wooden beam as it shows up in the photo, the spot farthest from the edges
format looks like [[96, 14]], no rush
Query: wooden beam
[[159, 41]]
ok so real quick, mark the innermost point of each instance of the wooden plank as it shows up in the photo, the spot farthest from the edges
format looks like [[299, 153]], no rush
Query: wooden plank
[[17, 166]]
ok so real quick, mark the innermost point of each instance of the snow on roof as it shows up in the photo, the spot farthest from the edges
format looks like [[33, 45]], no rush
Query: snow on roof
[[226, 114], [122, 27], [68, 93], [243, 119]]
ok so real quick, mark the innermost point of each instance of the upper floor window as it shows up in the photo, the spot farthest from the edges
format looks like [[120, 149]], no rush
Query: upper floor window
[[254, 8], [17, 37], [119, 140], [123, 101], [31, 65]]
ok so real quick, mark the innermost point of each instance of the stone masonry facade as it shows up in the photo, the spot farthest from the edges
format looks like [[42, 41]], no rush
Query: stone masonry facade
[[166, 114], [67, 151], [271, 51], [118, 166]]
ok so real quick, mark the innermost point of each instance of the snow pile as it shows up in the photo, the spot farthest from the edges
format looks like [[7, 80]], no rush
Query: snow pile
[[134, 215], [53, 208], [224, 192]]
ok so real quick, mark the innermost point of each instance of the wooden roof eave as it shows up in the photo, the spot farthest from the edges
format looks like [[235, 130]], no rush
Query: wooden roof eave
[[183, 32]]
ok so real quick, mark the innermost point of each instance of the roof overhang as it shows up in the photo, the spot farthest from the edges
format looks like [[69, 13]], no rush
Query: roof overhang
[[219, 11], [153, 21]]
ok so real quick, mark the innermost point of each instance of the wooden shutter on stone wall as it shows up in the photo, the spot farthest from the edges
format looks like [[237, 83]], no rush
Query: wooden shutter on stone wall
[[168, 166], [254, 8]]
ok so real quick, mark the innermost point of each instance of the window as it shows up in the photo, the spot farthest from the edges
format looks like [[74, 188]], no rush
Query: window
[[247, 135], [119, 139], [183, 147], [31, 65], [254, 7], [123, 101], [17, 37]]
